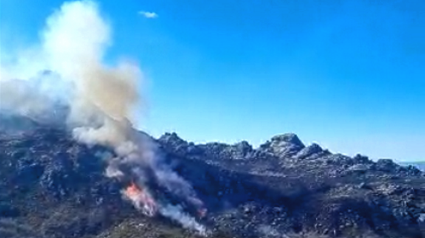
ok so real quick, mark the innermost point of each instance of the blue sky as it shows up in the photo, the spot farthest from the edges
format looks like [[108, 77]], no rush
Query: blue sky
[[349, 75]]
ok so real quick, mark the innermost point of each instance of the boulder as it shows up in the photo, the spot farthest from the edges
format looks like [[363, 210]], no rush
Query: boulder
[[285, 145], [308, 151]]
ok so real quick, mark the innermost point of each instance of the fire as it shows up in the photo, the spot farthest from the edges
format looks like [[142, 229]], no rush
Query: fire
[[133, 190], [141, 199]]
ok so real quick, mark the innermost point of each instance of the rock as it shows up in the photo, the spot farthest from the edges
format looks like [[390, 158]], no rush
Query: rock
[[192, 149], [360, 168], [308, 151], [412, 170], [174, 143], [339, 159], [243, 148], [284, 145], [280, 189], [361, 159], [421, 218], [290, 138], [386, 165], [172, 139], [247, 210]]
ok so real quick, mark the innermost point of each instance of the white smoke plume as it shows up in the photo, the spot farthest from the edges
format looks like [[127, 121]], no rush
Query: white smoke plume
[[176, 214], [100, 99], [75, 41], [32, 97], [19, 92]]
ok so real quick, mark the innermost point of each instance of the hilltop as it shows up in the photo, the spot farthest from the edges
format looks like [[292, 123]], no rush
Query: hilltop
[[54, 187]]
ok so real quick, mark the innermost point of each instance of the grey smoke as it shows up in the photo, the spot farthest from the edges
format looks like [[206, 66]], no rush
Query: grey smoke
[[35, 97], [99, 99], [176, 214], [18, 92]]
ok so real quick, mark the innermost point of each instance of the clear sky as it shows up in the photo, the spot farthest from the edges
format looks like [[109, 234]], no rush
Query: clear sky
[[349, 75]]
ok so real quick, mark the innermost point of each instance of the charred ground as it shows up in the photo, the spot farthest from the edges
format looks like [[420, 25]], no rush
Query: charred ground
[[52, 187]]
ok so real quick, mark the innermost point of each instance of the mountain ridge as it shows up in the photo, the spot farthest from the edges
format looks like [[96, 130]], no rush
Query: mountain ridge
[[56, 188], [418, 164]]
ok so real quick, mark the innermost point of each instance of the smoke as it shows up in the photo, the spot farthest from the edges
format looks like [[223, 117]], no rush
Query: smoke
[[75, 41], [33, 98], [18, 92], [99, 99], [176, 214]]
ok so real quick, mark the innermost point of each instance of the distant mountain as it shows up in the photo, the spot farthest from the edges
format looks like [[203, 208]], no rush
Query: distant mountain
[[420, 164], [53, 187]]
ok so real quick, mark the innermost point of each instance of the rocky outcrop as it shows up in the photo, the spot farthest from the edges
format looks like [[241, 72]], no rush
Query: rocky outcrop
[[309, 151], [53, 187], [283, 145]]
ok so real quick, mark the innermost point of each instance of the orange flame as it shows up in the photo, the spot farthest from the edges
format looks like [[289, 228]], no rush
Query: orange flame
[[141, 199], [132, 190]]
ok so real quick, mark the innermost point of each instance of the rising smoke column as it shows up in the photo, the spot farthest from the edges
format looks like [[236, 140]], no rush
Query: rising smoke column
[[75, 41], [100, 103]]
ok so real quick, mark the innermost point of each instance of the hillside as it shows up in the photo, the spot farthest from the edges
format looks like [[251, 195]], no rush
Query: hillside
[[54, 187]]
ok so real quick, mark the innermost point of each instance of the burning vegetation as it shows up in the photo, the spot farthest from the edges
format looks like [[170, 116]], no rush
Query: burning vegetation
[[141, 199], [96, 101]]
